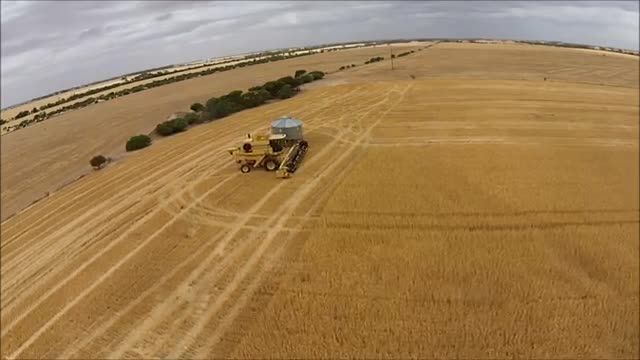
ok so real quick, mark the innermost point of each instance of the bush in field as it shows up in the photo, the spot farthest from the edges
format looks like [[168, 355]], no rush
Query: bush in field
[[299, 73], [264, 95], [179, 124], [317, 75], [98, 162], [211, 103], [252, 99], [273, 87], [204, 116], [255, 88], [285, 92], [290, 81], [164, 128], [22, 114], [138, 142], [192, 117], [223, 108], [172, 126], [234, 96], [197, 107], [307, 78]]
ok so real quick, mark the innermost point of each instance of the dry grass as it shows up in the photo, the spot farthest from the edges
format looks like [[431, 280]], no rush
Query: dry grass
[[432, 217]]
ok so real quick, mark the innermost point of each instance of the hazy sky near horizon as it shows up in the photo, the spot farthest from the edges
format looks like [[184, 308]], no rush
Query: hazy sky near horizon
[[51, 45]]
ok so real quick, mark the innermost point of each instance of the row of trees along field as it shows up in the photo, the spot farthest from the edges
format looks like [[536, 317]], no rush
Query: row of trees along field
[[42, 115], [380, 58], [219, 107]]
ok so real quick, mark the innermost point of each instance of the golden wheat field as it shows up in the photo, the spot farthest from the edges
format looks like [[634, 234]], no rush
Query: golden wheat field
[[40, 159], [464, 215]]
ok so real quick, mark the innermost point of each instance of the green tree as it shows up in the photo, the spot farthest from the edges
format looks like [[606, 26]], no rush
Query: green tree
[[290, 81], [22, 114], [299, 73], [307, 78], [164, 128], [252, 99], [179, 124], [211, 103], [285, 92], [318, 74], [197, 107], [192, 117], [273, 87], [264, 95], [138, 142]]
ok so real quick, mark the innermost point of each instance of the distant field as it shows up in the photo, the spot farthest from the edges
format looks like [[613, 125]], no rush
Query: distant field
[[474, 211], [174, 71]]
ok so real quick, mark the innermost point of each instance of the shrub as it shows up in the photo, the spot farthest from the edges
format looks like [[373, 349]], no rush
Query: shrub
[[22, 114], [273, 87], [164, 128], [138, 142], [285, 92], [234, 96], [317, 75], [264, 95], [252, 99], [290, 81], [223, 108], [255, 88], [192, 117], [307, 78], [299, 73], [197, 107], [172, 126], [341, 68], [204, 116], [97, 162], [211, 103], [179, 124]]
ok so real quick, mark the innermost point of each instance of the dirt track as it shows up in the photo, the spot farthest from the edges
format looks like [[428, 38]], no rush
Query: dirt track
[[509, 226]]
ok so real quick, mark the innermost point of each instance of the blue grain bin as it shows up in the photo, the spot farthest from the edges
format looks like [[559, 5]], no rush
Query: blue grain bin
[[288, 126]]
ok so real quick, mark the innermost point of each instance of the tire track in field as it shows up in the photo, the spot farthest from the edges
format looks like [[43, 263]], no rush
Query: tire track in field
[[55, 250], [152, 174], [233, 313], [222, 156], [167, 307], [69, 305], [319, 108], [206, 135], [192, 278], [293, 202]]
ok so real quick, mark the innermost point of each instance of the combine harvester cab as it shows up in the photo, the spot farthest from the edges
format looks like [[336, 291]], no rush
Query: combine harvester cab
[[282, 150]]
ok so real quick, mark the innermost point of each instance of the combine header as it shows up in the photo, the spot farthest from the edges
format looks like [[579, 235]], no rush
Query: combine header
[[281, 151]]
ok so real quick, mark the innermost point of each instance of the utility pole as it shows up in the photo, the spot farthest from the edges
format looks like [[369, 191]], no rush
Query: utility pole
[[391, 54]]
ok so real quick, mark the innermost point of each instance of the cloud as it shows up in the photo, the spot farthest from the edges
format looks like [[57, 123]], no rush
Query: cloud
[[51, 45]]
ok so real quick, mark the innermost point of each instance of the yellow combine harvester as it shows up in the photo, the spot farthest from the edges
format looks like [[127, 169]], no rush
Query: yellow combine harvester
[[281, 151]]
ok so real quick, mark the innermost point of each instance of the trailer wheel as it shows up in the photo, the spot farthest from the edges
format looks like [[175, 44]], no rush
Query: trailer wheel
[[270, 165], [245, 168]]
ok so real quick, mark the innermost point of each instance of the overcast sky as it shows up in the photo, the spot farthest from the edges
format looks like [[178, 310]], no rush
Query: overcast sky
[[48, 46]]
